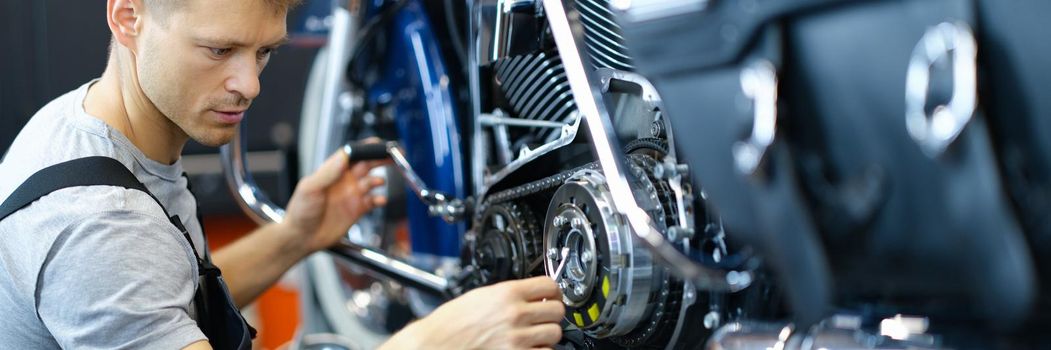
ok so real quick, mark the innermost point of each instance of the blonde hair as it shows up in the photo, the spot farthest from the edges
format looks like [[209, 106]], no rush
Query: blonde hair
[[163, 8]]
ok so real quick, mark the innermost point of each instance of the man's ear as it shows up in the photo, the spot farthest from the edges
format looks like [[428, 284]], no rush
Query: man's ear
[[125, 21]]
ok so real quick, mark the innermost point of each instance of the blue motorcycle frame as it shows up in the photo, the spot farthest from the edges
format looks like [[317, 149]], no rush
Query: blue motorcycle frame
[[415, 85], [414, 88]]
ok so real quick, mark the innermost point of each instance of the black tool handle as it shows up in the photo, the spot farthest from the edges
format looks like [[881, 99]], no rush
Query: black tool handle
[[358, 151]]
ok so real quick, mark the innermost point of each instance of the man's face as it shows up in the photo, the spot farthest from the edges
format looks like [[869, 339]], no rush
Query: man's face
[[201, 67]]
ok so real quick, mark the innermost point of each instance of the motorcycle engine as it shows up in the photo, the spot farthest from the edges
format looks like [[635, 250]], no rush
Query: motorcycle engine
[[544, 202]]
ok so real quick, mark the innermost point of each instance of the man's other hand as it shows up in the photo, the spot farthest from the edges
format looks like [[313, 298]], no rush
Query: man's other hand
[[326, 203], [520, 314]]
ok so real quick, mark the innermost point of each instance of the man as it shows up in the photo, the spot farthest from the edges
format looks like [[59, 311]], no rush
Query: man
[[102, 267]]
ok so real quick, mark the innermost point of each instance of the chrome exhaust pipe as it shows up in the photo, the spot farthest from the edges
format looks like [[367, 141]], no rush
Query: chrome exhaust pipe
[[835, 333], [255, 203]]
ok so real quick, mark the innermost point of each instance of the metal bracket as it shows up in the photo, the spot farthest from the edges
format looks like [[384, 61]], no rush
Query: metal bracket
[[438, 204], [759, 83], [936, 131]]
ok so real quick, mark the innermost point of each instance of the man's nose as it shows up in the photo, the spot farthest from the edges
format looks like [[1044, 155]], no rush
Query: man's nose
[[244, 78]]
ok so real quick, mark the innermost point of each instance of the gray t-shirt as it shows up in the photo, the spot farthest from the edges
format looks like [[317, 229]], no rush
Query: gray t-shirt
[[96, 267]]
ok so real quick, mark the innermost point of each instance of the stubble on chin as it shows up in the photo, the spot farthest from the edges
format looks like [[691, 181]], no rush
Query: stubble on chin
[[216, 138], [206, 134]]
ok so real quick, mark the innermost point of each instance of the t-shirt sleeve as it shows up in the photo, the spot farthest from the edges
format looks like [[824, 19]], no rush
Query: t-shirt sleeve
[[119, 280]]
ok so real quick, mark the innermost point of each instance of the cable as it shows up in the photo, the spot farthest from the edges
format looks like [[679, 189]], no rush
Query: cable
[[454, 32], [368, 33]]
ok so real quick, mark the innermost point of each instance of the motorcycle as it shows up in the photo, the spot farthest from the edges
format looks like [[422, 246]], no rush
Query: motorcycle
[[840, 174]]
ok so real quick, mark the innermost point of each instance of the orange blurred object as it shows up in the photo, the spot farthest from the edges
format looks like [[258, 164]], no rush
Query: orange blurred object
[[278, 307]]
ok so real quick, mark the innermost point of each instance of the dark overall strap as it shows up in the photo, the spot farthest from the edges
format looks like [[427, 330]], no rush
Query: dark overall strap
[[88, 171], [211, 298], [78, 172], [197, 209], [207, 268]]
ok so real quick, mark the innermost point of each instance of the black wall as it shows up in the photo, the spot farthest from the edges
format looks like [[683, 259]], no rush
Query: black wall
[[49, 47]]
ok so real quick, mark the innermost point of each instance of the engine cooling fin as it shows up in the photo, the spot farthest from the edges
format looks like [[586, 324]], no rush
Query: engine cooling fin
[[602, 36], [537, 88]]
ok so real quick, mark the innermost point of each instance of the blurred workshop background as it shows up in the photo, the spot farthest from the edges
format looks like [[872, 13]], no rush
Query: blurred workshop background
[[54, 46]]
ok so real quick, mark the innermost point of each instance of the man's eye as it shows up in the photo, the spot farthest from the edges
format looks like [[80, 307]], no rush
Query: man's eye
[[219, 51], [265, 52]]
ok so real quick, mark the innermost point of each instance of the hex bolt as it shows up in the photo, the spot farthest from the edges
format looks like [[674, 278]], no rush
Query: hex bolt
[[711, 320], [668, 170], [578, 290], [552, 254], [682, 169], [658, 171], [559, 221], [586, 256], [676, 233], [736, 278], [577, 223]]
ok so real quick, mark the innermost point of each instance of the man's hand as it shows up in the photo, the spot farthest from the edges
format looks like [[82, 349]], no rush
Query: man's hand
[[321, 210], [326, 203], [508, 315]]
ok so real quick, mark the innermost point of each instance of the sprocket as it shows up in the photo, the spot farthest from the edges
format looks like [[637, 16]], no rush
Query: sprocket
[[508, 243]]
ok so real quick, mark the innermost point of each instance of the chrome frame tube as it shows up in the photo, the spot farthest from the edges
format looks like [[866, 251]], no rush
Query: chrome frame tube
[[494, 120], [650, 96], [567, 31], [478, 149], [252, 200], [329, 135], [323, 297], [402, 272], [502, 30], [501, 139]]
